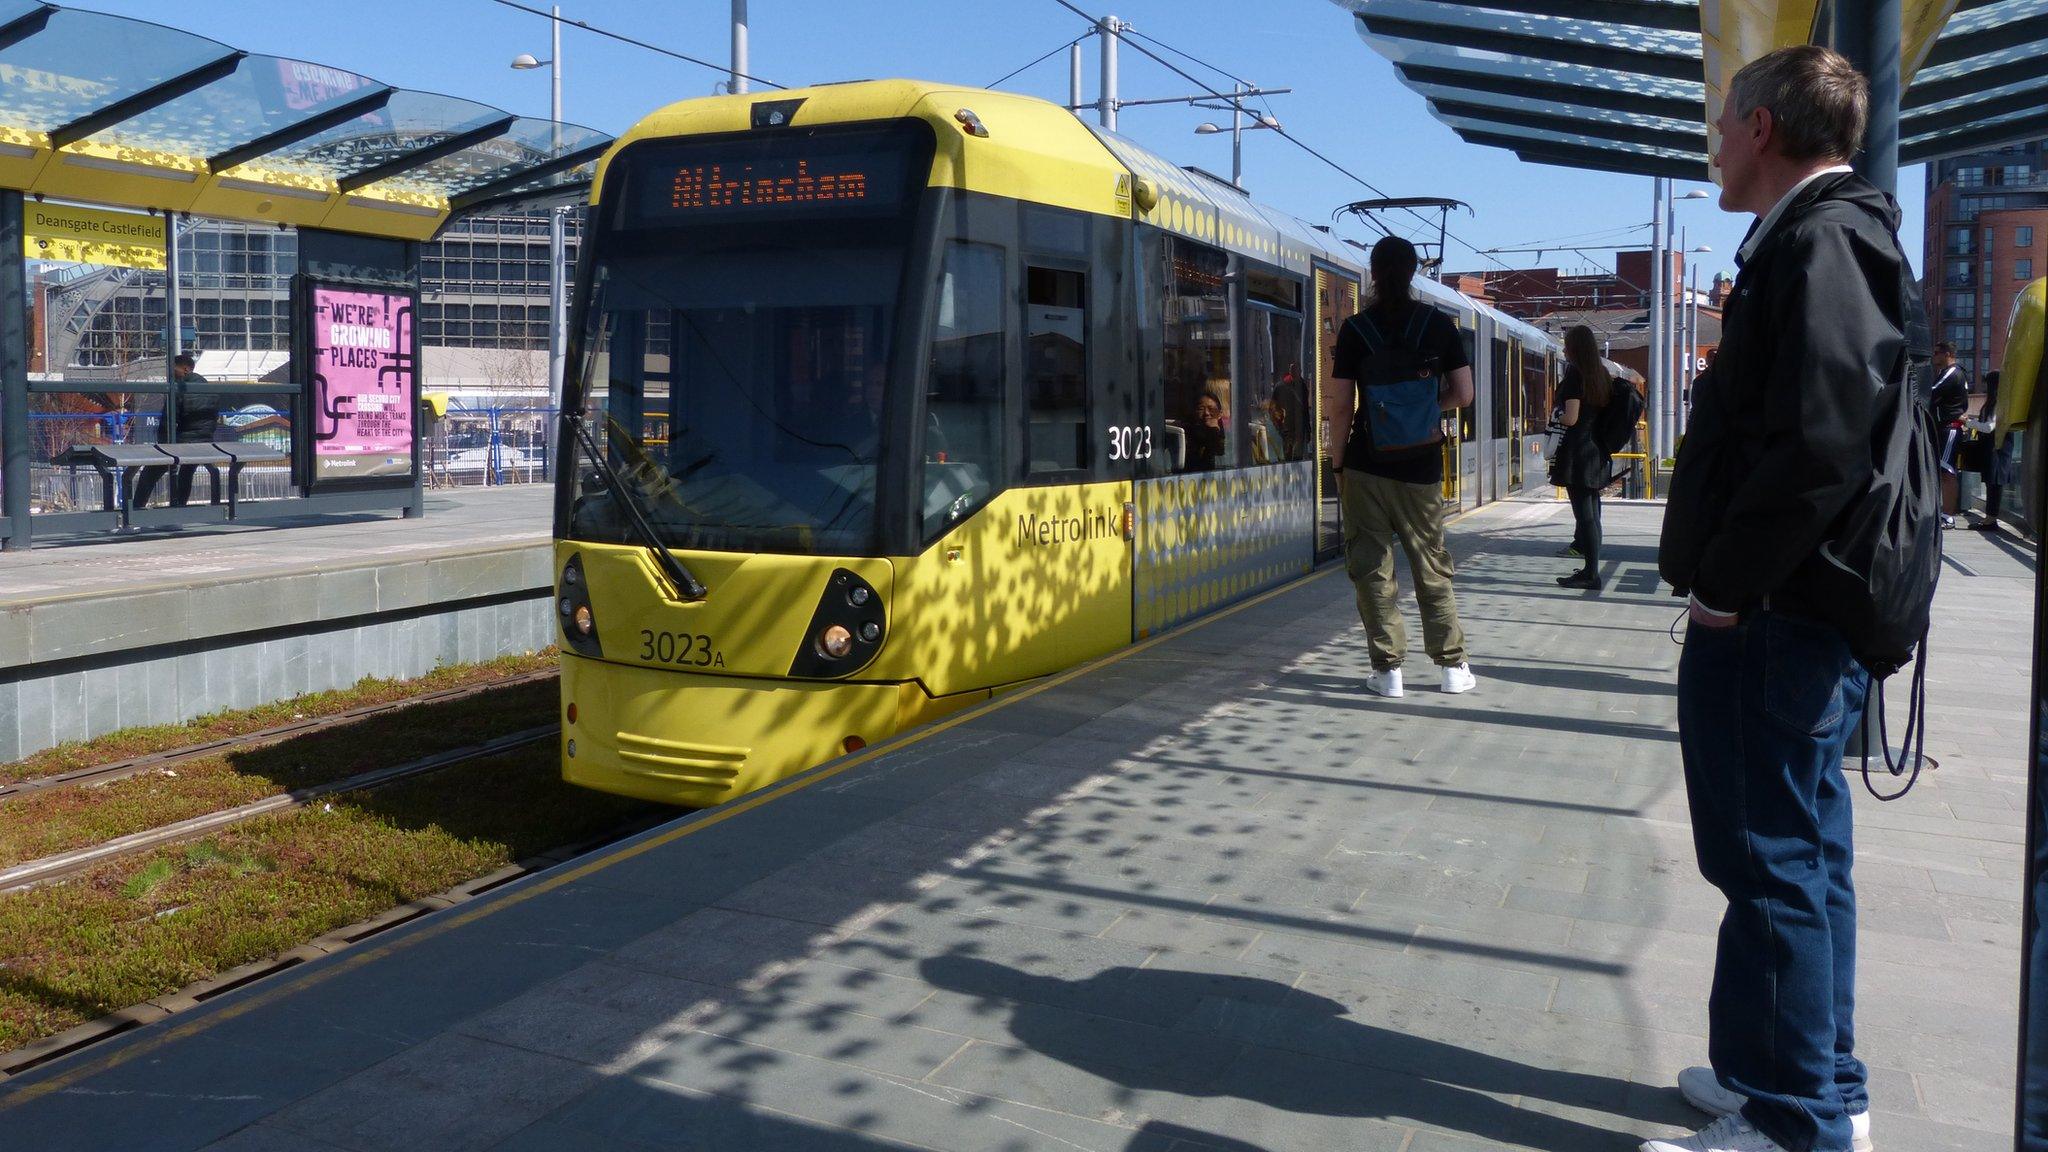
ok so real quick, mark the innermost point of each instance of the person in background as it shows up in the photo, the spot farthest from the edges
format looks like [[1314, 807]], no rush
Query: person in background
[[198, 420], [1397, 496], [1950, 396], [1768, 691], [1581, 468], [1997, 459]]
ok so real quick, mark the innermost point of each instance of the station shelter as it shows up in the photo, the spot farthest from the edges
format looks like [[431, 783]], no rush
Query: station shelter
[[116, 136], [1635, 86]]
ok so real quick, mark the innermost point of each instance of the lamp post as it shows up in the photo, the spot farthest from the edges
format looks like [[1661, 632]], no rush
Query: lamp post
[[1237, 131], [1663, 356], [558, 270]]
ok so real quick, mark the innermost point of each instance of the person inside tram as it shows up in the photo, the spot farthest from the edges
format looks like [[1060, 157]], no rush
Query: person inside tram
[[1208, 442]]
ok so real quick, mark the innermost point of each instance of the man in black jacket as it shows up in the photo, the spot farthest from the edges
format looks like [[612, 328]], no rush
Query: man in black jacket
[[1778, 446]]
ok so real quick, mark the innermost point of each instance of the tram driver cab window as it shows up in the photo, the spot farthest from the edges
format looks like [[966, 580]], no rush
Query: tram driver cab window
[[963, 450]]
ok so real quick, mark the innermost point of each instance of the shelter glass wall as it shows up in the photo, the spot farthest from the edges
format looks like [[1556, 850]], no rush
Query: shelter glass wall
[[100, 350]]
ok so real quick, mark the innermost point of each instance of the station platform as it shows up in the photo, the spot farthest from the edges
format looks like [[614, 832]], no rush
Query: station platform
[[1205, 894], [165, 626]]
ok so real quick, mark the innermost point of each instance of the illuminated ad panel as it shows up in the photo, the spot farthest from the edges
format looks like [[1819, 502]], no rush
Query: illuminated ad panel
[[363, 389]]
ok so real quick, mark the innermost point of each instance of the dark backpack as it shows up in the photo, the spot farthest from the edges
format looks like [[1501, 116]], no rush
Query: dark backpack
[[1876, 572], [1615, 428], [1399, 389]]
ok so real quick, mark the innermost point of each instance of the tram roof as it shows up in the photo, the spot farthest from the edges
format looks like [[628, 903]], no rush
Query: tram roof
[[1634, 85], [125, 112]]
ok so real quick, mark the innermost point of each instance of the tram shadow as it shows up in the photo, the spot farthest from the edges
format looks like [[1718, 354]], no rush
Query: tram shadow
[[1261, 1043]]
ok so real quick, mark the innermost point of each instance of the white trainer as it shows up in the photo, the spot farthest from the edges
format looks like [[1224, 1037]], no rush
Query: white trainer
[[1728, 1134], [1458, 678], [1704, 1091], [1385, 683]]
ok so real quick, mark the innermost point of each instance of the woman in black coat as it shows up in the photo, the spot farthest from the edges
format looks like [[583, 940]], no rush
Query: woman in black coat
[[1580, 467]]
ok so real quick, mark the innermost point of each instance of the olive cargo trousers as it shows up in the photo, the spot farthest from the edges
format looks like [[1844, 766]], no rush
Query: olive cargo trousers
[[1377, 511]]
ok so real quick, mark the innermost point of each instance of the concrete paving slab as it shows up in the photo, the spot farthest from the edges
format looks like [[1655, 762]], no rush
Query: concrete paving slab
[[1210, 897]]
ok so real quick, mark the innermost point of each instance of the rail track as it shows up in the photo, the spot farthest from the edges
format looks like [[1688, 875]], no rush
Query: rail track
[[135, 766], [64, 864]]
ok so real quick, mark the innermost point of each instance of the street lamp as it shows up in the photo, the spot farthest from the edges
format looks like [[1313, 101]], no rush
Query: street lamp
[[558, 269], [1237, 130]]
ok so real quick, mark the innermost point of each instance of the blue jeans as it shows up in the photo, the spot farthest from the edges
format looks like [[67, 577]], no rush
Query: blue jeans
[[1764, 710]]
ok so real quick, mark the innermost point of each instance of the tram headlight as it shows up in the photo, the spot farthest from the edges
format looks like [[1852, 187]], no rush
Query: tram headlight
[[573, 608], [835, 641]]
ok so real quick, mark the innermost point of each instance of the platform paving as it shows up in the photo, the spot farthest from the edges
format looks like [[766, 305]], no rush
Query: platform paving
[[1211, 895], [456, 520]]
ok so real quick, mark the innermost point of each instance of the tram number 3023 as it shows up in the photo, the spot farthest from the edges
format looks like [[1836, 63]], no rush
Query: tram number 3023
[[686, 648], [1128, 443]]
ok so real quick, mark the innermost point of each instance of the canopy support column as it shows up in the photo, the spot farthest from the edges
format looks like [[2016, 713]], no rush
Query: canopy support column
[[1868, 33], [14, 437]]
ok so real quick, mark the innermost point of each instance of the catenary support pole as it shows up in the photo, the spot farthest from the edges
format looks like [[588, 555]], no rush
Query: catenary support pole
[[1237, 136], [739, 46], [1106, 102], [1074, 77], [1692, 350], [1654, 364], [558, 268], [14, 438]]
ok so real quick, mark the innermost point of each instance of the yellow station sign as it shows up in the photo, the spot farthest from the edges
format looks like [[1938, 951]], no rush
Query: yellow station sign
[[92, 235]]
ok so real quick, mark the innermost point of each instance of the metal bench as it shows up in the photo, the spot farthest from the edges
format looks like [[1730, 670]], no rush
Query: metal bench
[[116, 464]]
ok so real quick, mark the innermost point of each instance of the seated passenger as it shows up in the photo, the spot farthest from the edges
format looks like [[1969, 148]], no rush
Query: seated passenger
[[1208, 442]]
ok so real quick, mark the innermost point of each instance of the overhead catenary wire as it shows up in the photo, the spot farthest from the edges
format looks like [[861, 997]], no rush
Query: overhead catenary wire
[[1280, 132], [1014, 73], [637, 43]]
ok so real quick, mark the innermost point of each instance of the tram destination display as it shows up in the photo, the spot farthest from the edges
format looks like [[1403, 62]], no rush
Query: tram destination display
[[802, 175], [362, 390]]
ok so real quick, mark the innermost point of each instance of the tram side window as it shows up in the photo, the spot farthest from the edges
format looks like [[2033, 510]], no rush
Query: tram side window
[[1278, 421], [963, 451], [1056, 370], [1199, 436]]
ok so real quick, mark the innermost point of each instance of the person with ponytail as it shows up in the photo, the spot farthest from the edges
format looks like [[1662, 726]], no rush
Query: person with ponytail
[[1581, 468]]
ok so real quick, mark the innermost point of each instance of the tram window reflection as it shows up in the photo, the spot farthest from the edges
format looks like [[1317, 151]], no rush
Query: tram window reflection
[[963, 452], [1197, 358], [1056, 376], [1279, 416]]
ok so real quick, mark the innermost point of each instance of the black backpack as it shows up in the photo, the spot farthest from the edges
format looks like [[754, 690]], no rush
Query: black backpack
[[1877, 570], [1616, 427]]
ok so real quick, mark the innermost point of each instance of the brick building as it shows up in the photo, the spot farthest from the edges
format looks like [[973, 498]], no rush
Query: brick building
[[1986, 240]]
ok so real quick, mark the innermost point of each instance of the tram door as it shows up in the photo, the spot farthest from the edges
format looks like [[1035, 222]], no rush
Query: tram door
[[1461, 446], [1336, 300], [1495, 454]]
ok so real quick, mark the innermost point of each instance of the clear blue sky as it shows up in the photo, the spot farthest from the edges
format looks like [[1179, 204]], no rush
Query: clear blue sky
[[1346, 99]]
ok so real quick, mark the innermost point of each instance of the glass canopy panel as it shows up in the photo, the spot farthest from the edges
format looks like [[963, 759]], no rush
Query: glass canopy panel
[[1523, 68], [1593, 116], [1539, 137], [1633, 38], [82, 62], [410, 122], [527, 144], [1975, 64], [265, 94], [2031, 120], [1991, 16]]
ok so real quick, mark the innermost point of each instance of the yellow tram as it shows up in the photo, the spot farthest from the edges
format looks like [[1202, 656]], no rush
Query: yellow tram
[[884, 397]]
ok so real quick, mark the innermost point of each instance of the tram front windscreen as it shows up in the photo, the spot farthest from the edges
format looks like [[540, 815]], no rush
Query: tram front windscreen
[[737, 337]]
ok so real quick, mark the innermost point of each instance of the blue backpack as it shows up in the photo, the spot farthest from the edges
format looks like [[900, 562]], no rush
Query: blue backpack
[[1398, 389]]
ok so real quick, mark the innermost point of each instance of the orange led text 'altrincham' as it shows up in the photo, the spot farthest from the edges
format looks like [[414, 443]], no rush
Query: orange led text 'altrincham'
[[708, 187]]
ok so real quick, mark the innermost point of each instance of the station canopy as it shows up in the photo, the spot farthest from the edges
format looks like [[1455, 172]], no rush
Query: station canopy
[[110, 110], [1635, 85]]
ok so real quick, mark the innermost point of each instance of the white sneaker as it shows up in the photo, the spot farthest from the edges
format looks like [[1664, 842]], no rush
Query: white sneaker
[[1459, 678], [1386, 683], [1704, 1091], [1728, 1134]]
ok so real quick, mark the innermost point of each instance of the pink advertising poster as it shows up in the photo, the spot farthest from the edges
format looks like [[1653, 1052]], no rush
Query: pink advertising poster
[[363, 384]]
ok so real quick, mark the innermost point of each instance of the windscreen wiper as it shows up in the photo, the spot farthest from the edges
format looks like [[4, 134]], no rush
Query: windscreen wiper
[[686, 585]]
